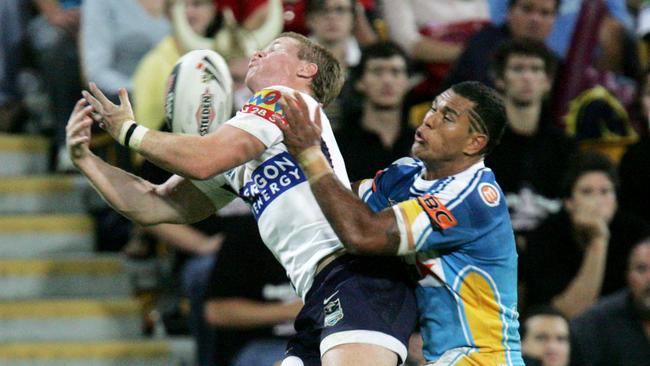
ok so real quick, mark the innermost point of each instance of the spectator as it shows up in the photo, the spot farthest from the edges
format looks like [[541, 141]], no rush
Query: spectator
[[532, 157], [545, 337], [375, 130], [243, 27], [194, 249], [634, 168], [249, 301], [53, 36], [115, 35], [575, 256], [616, 331], [331, 24], [11, 36], [434, 32], [150, 76], [525, 19]]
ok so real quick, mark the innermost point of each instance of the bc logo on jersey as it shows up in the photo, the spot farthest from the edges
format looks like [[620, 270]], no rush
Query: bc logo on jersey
[[441, 218], [265, 104], [270, 180]]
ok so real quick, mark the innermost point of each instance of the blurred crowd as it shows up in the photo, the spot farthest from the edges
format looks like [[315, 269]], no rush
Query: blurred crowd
[[574, 161]]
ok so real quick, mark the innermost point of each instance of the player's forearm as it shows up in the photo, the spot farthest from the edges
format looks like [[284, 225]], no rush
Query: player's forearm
[[245, 313], [128, 194], [584, 290], [200, 157], [361, 230]]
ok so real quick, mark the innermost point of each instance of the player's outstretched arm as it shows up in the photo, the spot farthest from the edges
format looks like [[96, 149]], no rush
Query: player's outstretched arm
[[361, 230], [176, 201], [195, 157]]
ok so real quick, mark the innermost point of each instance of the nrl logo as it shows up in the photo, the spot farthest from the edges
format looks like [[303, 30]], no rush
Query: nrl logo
[[205, 114]]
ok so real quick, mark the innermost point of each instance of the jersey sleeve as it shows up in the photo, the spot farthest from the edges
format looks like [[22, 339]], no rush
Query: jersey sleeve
[[258, 114], [426, 223]]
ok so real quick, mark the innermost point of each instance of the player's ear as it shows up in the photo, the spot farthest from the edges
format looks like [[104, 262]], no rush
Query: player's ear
[[476, 143], [307, 70]]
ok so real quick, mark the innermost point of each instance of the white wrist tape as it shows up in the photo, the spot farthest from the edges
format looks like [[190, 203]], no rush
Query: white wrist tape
[[132, 134]]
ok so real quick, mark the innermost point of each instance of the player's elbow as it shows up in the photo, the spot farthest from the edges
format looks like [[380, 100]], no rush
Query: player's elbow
[[200, 170], [360, 244]]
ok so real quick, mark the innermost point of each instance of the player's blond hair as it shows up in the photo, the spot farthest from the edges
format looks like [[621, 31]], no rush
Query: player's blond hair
[[327, 82]]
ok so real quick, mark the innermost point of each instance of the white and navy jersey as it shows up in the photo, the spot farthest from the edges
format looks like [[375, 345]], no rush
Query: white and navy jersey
[[459, 230], [289, 218]]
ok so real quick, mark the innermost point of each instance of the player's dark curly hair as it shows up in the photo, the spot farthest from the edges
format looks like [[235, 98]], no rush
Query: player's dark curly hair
[[489, 106]]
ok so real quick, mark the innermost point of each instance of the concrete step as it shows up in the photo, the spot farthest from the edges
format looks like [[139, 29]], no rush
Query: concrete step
[[63, 278], [23, 155], [70, 319], [130, 352], [46, 235], [44, 193]]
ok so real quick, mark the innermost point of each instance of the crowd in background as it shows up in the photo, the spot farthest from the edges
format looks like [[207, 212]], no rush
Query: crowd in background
[[574, 162]]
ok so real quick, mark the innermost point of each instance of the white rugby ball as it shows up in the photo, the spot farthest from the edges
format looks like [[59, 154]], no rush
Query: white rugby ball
[[198, 98]]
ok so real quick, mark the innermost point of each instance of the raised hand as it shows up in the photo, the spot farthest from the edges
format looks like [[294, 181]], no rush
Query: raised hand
[[300, 132], [110, 117], [78, 130]]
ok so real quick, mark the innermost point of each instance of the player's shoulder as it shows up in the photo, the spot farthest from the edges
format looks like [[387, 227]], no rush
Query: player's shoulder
[[404, 166], [399, 173], [475, 187]]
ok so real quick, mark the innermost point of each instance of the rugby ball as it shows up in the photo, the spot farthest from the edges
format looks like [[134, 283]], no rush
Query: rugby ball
[[198, 100], [198, 97]]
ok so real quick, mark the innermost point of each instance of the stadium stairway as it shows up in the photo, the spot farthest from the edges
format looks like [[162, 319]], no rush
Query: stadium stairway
[[62, 303]]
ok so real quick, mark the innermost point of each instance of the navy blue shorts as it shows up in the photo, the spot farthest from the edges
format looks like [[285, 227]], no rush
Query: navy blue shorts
[[355, 300]]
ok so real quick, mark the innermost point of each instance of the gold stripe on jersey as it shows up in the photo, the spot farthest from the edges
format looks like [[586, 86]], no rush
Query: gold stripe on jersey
[[484, 323]]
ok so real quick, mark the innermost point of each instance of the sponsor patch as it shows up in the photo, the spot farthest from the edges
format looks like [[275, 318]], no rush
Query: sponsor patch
[[269, 180], [333, 312], [489, 194], [265, 104], [440, 216]]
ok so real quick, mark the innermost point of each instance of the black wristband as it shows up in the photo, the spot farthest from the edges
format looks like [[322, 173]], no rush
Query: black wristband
[[129, 133]]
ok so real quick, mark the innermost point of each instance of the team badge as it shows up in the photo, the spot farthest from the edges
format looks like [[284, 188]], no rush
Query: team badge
[[265, 104], [333, 312], [489, 194]]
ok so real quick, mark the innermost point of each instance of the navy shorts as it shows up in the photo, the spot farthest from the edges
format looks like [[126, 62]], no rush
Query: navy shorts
[[355, 300]]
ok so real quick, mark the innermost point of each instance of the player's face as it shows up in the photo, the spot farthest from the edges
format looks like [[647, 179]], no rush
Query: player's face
[[547, 338], [384, 82], [638, 277], [273, 65], [594, 191], [332, 23], [445, 133], [525, 80], [532, 18], [200, 13]]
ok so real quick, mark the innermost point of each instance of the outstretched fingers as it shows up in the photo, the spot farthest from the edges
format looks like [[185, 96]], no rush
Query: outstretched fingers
[[124, 98], [99, 95]]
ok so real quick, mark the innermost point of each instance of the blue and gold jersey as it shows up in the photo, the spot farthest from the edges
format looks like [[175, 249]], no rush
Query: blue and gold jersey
[[458, 233]]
